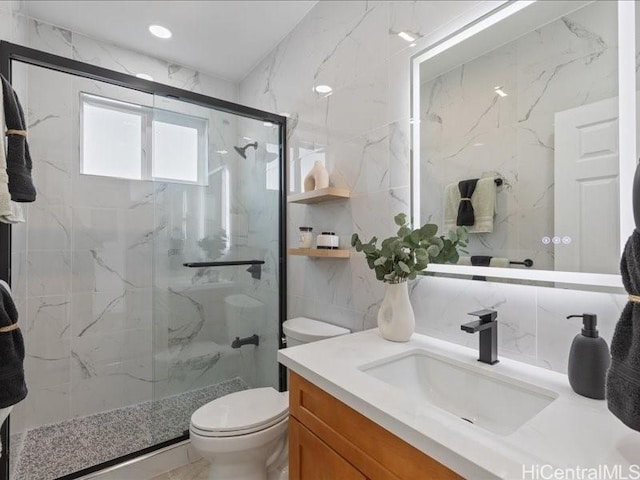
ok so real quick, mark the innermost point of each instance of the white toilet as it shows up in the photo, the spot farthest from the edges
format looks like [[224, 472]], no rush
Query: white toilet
[[244, 434]]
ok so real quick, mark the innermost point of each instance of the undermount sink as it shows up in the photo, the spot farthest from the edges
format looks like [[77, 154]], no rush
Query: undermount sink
[[489, 400]]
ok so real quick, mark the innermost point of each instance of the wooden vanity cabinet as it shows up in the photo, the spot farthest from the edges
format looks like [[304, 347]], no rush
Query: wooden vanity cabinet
[[330, 441]]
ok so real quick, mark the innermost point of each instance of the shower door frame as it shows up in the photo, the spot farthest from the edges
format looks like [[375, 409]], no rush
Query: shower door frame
[[12, 52]]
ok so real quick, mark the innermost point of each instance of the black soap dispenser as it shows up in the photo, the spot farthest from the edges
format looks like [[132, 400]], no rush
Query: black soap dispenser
[[589, 359]]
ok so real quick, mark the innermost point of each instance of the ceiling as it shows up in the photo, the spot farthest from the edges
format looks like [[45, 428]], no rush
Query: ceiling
[[222, 38]]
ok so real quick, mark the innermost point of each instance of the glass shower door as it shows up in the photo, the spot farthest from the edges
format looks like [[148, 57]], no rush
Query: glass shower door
[[123, 340], [216, 258]]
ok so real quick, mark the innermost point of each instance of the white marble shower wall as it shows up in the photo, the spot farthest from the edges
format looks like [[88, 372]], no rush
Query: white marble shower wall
[[362, 130], [82, 264], [258, 202], [468, 131]]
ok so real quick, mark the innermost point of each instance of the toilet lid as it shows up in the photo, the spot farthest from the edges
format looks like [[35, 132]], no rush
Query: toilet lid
[[308, 330], [241, 412]]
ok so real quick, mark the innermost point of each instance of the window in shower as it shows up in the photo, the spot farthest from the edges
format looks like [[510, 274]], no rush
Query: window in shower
[[135, 142], [111, 138]]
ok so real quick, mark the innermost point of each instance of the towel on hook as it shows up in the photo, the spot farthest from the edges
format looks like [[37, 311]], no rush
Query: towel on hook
[[483, 201], [496, 262], [500, 262], [10, 211], [18, 156], [13, 388], [466, 214], [623, 378]]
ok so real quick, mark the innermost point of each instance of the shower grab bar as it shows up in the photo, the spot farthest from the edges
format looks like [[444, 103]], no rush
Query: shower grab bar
[[223, 264], [255, 266]]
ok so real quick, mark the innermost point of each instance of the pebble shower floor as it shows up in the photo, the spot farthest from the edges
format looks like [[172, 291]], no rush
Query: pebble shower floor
[[51, 451]]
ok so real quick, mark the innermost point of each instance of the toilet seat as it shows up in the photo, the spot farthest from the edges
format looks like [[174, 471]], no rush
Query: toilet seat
[[241, 413]]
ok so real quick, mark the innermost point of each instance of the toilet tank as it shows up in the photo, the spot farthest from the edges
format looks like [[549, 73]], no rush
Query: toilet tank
[[302, 330]]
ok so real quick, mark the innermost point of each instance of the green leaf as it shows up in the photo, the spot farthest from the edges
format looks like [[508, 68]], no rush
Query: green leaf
[[400, 219], [403, 266], [404, 231], [368, 248], [437, 241], [380, 261], [420, 266], [428, 230], [433, 250], [422, 254], [354, 239], [412, 275]]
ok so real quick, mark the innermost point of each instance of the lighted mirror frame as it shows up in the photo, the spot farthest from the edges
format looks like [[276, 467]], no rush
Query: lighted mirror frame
[[482, 18]]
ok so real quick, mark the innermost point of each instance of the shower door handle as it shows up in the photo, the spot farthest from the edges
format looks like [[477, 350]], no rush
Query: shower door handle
[[255, 266]]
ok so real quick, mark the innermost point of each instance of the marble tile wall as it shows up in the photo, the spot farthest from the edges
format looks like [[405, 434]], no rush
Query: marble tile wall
[[111, 316], [469, 131], [362, 130]]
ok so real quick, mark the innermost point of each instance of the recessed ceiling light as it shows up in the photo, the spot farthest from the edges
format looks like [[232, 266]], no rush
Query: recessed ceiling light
[[268, 124], [500, 92], [478, 144], [145, 76], [412, 45], [222, 152], [248, 139], [406, 36], [160, 31], [323, 89]]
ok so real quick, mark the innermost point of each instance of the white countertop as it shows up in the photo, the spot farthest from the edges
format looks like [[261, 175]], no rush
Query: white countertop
[[573, 431]]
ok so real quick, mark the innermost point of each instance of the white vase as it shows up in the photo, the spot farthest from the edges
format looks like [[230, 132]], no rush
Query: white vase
[[396, 320], [317, 178]]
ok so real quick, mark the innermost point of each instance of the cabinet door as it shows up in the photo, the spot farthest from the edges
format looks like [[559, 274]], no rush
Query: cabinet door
[[312, 459]]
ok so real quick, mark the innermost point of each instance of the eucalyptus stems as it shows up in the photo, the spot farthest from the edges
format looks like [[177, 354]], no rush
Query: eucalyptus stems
[[401, 257]]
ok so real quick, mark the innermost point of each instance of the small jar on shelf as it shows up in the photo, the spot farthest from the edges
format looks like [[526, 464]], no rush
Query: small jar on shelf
[[305, 237]]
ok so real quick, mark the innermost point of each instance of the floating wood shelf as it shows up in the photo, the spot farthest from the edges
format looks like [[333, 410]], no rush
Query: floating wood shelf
[[320, 252], [317, 196]]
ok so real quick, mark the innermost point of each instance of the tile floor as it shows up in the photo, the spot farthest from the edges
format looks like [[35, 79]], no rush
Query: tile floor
[[194, 471]]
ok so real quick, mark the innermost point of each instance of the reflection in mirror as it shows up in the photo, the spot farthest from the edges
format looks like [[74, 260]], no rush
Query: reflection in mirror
[[520, 142]]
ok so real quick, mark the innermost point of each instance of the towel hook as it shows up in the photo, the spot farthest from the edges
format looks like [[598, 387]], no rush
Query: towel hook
[[636, 198]]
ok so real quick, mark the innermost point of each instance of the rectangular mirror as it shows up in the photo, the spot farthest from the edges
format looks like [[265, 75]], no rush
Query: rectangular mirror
[[516, 135]]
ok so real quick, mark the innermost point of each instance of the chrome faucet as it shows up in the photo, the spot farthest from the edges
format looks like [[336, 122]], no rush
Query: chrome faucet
[[488, 328]]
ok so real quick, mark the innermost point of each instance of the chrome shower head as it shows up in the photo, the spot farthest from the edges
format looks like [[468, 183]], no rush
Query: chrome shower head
[[242, 151]]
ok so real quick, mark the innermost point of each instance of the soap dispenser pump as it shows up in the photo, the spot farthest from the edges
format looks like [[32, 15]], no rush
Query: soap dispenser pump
[[589, 359]]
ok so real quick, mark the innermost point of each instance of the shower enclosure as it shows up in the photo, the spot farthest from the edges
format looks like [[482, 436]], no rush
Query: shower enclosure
[[149, 274]]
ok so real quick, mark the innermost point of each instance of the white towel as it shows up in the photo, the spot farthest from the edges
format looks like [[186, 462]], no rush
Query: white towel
[[464, 261], [483, 201], [498, 262], [10, 212]]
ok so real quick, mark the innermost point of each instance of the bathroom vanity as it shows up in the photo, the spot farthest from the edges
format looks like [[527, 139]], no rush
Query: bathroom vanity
[[328, 439], [363, 407]]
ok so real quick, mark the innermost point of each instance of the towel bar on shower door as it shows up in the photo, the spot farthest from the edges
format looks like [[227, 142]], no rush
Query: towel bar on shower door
[[255, 269]]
